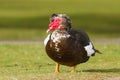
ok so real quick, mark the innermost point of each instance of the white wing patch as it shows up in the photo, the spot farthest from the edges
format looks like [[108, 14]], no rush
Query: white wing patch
[[89, 49], [46, 40]]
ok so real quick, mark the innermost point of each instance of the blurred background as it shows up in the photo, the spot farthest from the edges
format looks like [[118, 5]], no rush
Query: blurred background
[[29, 19]]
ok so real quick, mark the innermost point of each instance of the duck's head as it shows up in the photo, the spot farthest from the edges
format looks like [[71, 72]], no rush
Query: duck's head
[[59, 21]]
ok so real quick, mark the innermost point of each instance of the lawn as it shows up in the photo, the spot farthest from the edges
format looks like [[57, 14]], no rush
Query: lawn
[[29, 19], [28, 61]]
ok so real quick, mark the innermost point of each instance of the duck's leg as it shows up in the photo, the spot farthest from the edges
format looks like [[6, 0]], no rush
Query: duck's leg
[[57, 68], [73, 69]]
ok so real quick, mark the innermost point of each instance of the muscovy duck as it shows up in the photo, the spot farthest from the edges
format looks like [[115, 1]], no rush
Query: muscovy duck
[[65, 45]]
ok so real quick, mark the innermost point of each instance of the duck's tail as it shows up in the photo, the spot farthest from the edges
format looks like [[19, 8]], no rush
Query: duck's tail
[[97, 51]]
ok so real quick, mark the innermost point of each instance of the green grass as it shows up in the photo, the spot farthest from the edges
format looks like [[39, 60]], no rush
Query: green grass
[[99, 18], [30, 62], [22, 34]]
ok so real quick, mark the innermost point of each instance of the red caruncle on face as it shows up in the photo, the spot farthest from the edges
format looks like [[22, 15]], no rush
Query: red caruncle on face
[[55, 24]]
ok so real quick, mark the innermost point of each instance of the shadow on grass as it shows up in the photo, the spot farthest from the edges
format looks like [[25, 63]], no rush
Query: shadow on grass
[[97, 23], [116, 70]]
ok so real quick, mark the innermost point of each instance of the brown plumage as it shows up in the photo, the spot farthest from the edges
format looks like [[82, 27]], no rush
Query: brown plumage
[[65, 45]]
